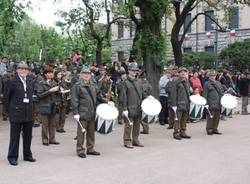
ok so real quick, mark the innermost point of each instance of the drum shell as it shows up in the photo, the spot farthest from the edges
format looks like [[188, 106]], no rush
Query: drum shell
[[104, 126], [196, 111], [226, 112], [148, 119], [106, 117]]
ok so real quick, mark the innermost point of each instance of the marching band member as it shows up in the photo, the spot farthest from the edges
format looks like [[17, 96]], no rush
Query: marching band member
[[47, 93], [122, 77], [180, 100], [170, 84], [62, 103], [212, 92], [132, 95], [85, 95]]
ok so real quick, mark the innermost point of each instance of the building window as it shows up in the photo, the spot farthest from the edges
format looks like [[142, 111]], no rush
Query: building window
[[209, 49], [234, 19], [187, 21], [187, 49], [120, 29], [208, 21], [120, 55]]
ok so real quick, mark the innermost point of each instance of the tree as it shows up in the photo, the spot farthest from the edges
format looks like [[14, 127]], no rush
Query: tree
[[147, 16], [28, 38], [11, 13], [85, 17], [181, 10], [204, 60], [236, 56]]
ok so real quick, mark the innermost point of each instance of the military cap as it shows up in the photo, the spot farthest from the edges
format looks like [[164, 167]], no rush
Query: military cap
[[212, 73], [182, 69], [85, 69], [22, 64], [133, 66]]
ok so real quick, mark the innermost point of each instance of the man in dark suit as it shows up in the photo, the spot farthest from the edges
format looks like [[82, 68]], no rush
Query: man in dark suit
[[18, 104]]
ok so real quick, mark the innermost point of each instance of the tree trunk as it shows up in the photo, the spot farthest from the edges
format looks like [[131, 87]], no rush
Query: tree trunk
[[134, 52], [177, 51], [151, 58], [153, 71], [176, 44], [99, 47]]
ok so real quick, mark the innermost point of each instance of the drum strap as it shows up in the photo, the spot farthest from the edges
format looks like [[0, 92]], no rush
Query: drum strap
[[90, 94], [186, 90], [215, 87], [135, 89]]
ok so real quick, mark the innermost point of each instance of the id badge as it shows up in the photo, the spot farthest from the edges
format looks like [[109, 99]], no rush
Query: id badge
[[26, 100]]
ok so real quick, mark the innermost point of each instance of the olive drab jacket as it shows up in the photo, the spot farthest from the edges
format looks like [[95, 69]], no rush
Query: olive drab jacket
[[84, 98], [132, 96], [212, 92], [180, 93], [43, 94]]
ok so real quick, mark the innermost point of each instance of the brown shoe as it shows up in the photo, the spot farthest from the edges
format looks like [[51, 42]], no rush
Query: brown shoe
[[217, 132], [128, 146], [93, 153], [170, 127], [138, 145]]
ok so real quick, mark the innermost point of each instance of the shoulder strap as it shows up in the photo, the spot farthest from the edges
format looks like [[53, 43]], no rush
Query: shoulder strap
[[90, 94], [186, 90], [135, 89], [215, 88]]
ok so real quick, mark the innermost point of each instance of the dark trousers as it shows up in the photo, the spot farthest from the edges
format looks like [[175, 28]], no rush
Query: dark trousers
[[131, 133], [163, 116], [213, 123], [15, 130], [90, 137]]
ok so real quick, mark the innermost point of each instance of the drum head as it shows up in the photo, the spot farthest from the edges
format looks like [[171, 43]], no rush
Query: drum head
[[151, 106], [197, 99], [228, 101], [106, 111]]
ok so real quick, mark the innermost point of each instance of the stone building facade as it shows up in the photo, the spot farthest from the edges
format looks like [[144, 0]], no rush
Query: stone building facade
[[201, 36]]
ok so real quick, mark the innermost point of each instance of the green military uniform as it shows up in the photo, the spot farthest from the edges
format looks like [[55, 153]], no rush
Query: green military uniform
[[132, 95], [180, 93], [48, 120], [212, 92]]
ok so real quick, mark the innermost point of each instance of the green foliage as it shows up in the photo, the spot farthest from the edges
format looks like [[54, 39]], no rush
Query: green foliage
[[203, 60], [28, 38], [236, 55], [11, 13], [156, 45]]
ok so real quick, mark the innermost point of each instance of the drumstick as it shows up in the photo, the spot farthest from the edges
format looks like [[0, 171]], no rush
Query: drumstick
[[176, 118], [130, 122], [210, 115], [83, 129]]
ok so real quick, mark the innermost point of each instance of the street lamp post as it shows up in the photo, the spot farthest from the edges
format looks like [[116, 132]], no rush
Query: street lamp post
[[216, 48]]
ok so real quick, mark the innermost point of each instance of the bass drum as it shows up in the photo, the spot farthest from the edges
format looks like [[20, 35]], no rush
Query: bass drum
[[228, 103], [197, 104], [106, 116], [151, 107]]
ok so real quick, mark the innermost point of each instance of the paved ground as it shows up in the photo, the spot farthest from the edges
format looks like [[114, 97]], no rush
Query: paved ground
[[202, 160]]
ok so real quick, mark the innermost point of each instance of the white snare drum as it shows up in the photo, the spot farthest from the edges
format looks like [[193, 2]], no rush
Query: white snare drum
[[228, 103], [197, 104], [106, 116], [151, 107]]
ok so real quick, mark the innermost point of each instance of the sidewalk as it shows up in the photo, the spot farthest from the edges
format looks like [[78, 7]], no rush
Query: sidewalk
[[202, 160]]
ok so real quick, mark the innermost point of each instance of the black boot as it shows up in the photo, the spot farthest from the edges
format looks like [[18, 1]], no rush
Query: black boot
[[177, 136], [185, 136]]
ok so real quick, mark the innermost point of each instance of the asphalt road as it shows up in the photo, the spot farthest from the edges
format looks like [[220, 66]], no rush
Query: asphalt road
[[203, 159]]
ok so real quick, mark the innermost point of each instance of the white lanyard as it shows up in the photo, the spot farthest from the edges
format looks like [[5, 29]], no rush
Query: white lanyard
[[24, 86]]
